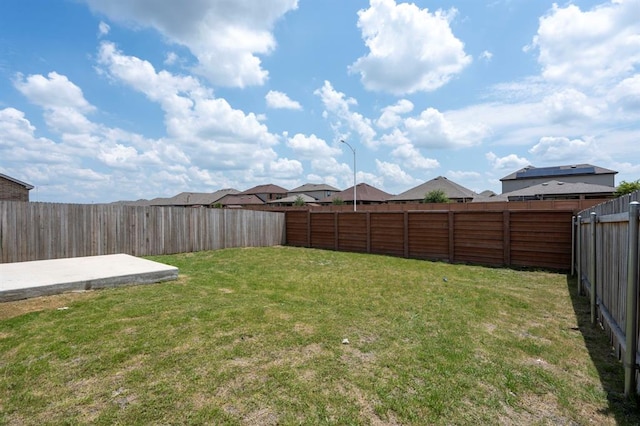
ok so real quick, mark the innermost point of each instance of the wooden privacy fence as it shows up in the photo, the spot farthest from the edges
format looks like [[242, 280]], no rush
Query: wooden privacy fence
[[531, 238], [606, 263], [39, 231]]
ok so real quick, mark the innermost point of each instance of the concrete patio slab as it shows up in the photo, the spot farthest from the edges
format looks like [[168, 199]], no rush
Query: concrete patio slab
[[24, 280]]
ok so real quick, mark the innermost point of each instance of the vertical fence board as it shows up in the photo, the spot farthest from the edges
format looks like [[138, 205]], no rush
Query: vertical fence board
[[39, 231]]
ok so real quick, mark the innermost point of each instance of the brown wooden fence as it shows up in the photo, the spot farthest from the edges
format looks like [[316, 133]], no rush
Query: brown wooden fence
[[607, 268], [39, 231], [519, 238]]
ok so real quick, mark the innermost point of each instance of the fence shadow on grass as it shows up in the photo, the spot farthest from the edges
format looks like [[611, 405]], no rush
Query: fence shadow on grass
[[604, 359]]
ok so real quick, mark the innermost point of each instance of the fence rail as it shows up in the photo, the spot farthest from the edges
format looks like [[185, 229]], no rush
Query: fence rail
[[40, 231], [519, 238], [606, 263]]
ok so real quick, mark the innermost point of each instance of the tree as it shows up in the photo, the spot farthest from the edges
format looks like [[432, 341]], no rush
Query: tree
[[337, 201], [299, 201], [436, 196], [627, 188]]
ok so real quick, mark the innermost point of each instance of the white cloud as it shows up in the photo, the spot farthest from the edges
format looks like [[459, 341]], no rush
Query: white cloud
[[226, 37], [53, 91], [103, 29], [486, 56], [329, 166], [280, 100], [215, 134], [509, 162], [410, 49], [564, 149], [587, 48], [171, 58], [64, 104], [310, 147], [393, 174], [568, 105], [283, 168], [433, 129], [339, 106], [463, 175], [626, 94], [406, 153], [391, 115]]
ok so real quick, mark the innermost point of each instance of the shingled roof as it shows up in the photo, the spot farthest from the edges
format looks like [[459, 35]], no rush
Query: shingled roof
[[556, 188], [531, 172], [311, 187], [452, 190], [364, 194]]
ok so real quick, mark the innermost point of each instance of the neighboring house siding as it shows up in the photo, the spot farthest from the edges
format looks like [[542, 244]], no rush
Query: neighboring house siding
[[12, 191], [318, 195], [597, 179]]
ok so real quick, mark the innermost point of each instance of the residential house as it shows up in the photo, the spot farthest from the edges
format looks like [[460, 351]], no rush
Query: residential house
[[238, 201], [198, 199], [12, 189], [316, 190], [266, 193], [578, 173], [365, 194], [556, 190], [293, 199], [455, 192]]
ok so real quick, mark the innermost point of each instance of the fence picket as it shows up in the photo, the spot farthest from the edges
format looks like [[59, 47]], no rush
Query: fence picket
[[40, 231]]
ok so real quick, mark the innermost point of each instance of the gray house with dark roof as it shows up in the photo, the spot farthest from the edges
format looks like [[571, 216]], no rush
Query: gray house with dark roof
[[577, 173], [556, 190], [318, 191], [453, 191]]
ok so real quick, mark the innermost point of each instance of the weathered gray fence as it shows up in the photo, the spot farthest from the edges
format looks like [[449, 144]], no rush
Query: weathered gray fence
[[40, 231], [606, 262]]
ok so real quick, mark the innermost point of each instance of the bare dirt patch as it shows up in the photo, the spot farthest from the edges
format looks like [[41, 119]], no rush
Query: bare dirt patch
[[43, 303]]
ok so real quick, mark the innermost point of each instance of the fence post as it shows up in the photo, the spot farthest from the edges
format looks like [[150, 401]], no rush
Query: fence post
[[573, 245], [592, 267], [631, 331], [579, 253]]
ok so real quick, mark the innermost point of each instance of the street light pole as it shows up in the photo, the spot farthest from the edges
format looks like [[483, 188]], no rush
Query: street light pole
[[354, 173]]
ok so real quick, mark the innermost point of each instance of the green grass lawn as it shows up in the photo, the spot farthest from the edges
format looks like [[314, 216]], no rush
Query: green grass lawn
[[255, 336]]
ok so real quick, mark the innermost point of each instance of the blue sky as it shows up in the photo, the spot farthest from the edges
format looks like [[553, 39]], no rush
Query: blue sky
[[105, 100]]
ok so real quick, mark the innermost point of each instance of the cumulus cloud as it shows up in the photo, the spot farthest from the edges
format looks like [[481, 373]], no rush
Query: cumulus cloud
[[410, 49], [588, 48], [563, 149], [568, 105], [215, 134], [226, 37], [486, 56], [393, 174], [52, 91], [103, 29], [310, 147], [406, 153], [64, 104], [626, 94], [344, 121], [433, 129], [279, 100], [391, 115], [509, 162]]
